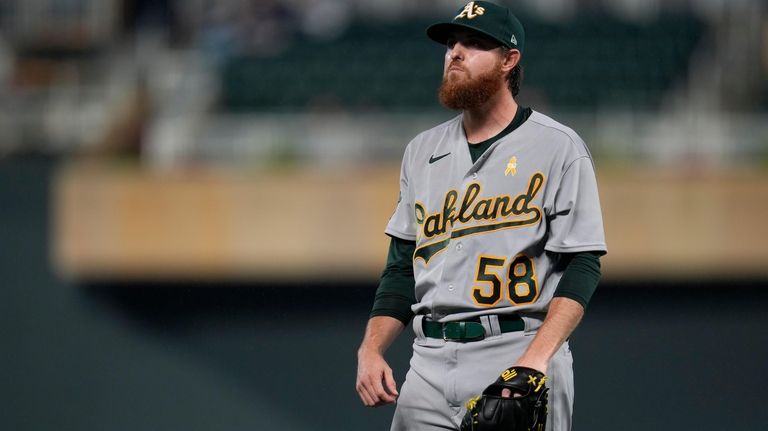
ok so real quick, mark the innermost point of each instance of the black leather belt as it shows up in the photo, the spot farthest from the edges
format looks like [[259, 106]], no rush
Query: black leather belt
[[469, 330]]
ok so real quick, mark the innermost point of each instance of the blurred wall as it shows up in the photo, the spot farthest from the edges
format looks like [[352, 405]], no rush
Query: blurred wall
[[297, 224]]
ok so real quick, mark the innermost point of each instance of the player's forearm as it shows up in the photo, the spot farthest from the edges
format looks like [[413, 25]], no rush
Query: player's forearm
[[563, 317], [380, 332]]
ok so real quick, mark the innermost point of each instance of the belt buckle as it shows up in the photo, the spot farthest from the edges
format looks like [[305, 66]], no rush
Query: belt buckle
[[457, 331]]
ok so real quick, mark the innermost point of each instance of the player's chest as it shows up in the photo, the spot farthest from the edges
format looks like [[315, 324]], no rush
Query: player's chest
[[502, 174]]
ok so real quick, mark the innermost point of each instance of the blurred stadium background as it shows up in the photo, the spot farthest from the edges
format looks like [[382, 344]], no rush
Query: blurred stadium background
[[193, 196]]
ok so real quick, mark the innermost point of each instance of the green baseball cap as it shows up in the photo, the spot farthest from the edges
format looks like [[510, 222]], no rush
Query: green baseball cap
[[487, 18]]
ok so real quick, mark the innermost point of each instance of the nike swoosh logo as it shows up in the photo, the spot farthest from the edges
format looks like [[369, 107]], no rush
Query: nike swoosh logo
[[433, 159]]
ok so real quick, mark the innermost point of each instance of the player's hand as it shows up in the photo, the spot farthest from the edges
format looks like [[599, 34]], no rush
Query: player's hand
[[542, 368], [375, 384]]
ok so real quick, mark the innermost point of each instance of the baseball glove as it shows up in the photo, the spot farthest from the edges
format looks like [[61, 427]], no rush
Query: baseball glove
[[527, 412]]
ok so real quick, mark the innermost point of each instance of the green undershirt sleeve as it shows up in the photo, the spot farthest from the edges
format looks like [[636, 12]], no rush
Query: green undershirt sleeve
[[396, 293], [580, 278]]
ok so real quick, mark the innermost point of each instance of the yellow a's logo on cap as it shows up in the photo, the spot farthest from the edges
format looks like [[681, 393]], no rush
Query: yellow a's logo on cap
[[470, 11]]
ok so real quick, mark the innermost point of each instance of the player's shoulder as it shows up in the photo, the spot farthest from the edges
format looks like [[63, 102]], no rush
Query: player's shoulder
[[431, 137], [557, 133]]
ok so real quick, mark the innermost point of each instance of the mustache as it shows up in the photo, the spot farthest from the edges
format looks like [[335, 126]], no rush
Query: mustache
[[455, 64]]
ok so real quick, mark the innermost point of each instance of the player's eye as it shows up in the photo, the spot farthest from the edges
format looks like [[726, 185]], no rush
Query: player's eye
[[450, 43]]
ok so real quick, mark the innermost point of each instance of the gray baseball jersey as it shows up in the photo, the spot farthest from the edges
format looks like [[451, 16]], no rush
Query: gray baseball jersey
[[489, 235]]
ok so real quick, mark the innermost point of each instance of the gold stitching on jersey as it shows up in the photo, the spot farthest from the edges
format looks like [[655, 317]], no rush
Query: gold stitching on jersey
[[427, 251], [533, 283], [420, 214], [473, 208], [478, 290], [511, 167], [468, 208]]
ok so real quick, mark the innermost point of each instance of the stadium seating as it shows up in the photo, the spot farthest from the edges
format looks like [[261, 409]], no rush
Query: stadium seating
[[588, 62]]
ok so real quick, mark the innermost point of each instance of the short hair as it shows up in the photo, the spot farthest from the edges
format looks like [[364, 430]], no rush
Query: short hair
[[515, 76]]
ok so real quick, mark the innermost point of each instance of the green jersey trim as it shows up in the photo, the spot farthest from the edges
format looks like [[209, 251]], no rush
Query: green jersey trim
[[477, 150]]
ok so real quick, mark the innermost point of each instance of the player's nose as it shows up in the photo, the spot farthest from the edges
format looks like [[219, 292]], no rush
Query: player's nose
[[455, 51]]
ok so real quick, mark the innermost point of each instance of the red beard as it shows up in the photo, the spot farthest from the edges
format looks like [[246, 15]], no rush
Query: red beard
[[461, 91]]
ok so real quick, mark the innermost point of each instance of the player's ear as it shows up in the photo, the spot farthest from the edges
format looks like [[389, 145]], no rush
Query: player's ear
[[511, 59]]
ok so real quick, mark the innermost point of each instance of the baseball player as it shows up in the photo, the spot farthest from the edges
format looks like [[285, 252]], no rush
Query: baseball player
[[495, 247]]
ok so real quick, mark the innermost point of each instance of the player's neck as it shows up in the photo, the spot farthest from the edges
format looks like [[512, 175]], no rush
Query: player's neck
[[490, 119]]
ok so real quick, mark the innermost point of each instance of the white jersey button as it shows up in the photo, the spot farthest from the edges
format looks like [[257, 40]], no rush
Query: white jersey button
[[459, 246], [474, 175], [450, 287]]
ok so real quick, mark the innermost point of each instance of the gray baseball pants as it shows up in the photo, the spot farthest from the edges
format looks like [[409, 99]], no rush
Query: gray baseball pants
[[445, 374]]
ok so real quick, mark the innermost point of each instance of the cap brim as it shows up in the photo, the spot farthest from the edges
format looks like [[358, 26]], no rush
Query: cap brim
[[441, 31]]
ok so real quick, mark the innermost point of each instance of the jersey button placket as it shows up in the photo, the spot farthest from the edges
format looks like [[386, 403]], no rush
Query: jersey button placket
[[459, 246]]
